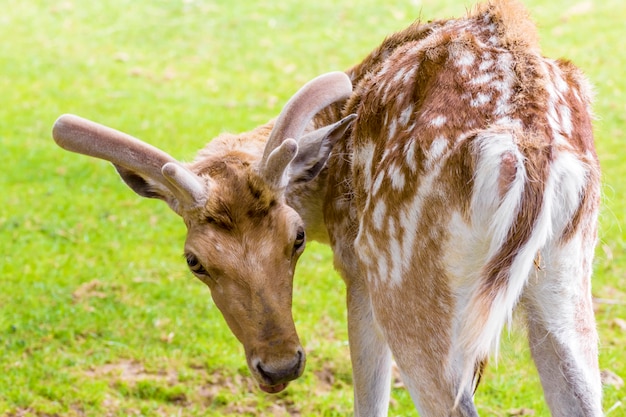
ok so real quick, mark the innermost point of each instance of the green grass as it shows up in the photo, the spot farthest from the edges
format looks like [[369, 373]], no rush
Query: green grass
[[98, 314]]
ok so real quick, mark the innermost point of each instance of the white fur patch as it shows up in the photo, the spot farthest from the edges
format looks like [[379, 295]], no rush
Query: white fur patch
[[483, 78], [364, 158], [438, 121], [405, 115], [437, 148], [480, 100], [392, 128], [378, 183], [466, 59], [566, 119], [378, 215], [397, 177], [395, 254], [409, 155]]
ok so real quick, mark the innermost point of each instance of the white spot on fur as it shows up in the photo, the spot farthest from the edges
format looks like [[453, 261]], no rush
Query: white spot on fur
[[385, 154], [383, 268], [397, 177], [486, 64], [399, 75], [400, 97], [378, 215], [438, 121], [482, 79], [438, 147], [364, 158], [504, 86], [560, 83], [466, 59], [507, 121], [395, 254], [409, 155], [386, 67], [577, 96], [480, 100], [566, 119], [392, 128], [378, 183], [409, 74], [405, 115]]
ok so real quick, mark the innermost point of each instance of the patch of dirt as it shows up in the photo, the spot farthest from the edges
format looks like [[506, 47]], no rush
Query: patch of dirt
[[216, 383], [91, 289], [211, 390], [521, 412], [94, 290], [28, 412], [131, 371], [326, 378]]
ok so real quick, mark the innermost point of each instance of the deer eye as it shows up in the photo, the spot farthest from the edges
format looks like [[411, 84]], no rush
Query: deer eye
[[300, 239], [194, 264]]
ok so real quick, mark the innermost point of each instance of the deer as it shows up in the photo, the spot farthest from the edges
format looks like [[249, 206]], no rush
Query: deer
[[454, 175]]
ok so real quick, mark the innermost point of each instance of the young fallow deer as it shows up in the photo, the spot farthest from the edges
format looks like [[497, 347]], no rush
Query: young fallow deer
[[458, 180]]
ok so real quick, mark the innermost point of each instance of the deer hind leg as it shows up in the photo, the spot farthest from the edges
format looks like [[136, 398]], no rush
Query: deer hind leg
[[562, 333], [561, 324]]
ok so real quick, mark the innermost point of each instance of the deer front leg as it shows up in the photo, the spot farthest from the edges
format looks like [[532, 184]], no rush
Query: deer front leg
[[370, 355]]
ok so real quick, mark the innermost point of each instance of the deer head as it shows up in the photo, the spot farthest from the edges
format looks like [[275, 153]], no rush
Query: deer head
[[243, 240]]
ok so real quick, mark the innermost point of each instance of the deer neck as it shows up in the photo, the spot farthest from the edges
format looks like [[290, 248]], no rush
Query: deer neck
[[308, 199]]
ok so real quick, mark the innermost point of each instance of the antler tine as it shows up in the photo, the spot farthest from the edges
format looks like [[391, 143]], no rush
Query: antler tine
[[305, 104]]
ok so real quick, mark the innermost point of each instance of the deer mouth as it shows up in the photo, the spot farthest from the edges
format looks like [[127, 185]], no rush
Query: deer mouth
[[273, 389]]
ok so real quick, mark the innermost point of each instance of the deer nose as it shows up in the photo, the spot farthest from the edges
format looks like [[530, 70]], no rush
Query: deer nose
[[280, 371]]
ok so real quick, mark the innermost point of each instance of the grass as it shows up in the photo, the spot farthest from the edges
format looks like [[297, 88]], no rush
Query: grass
[[98, 315]]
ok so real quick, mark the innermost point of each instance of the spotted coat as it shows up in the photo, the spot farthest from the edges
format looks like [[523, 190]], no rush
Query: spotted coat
[[470, 168]]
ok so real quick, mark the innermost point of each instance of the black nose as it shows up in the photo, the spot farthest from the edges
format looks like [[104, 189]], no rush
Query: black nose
[[282, 371]]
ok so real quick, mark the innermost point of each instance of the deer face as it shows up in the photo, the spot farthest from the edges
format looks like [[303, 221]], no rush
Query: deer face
[[244, 245], [243, 239]]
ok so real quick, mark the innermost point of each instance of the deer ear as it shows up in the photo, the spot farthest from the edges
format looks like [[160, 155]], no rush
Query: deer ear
[[191, 192], [314, 149], [143, 185]]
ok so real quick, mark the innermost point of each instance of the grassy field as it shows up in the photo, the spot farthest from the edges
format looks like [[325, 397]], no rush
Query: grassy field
[[98, 313]]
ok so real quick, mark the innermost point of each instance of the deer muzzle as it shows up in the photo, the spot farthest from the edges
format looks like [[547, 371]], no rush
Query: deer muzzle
[[274, 372]]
